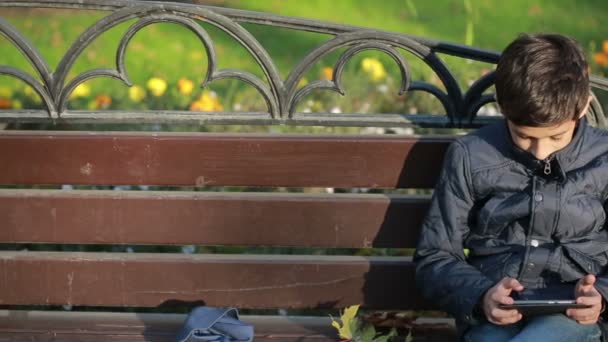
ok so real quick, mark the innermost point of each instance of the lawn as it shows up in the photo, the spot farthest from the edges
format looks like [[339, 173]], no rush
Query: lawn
[[170, 52]]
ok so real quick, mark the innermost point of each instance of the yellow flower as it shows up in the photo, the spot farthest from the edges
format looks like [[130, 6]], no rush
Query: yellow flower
[[17, 104], [6, 92], [185, 86], [198, 106], [137, 93], [327, 73], [374, 68], [605, 46], [207, 102], [103, 101], [157, 86], [601, 59], [81, 90]]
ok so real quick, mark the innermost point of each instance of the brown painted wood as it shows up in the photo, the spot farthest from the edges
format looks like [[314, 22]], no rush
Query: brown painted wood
[[246, 281], [171, 217], [93, 326], [197, 159], [114, 326]]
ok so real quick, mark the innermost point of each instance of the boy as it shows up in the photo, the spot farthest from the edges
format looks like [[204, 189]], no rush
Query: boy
[[526, 197]]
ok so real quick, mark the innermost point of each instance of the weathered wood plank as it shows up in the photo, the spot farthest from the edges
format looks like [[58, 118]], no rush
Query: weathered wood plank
[[196, 159], [180, 218], [245, 281], [116, 326]]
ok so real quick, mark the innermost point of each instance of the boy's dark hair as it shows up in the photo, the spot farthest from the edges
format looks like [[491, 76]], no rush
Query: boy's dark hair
[[542, 80]]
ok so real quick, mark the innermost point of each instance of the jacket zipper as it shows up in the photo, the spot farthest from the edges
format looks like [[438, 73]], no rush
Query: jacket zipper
[[547, 167]]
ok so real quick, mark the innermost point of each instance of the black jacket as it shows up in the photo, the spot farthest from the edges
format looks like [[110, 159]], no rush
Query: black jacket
[[495, 200]]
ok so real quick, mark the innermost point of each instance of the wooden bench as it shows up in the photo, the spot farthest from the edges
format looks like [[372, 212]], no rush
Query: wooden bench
[[65, 270], [159, 280]]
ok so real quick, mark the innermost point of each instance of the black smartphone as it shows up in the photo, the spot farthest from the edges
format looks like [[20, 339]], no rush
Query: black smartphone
[[543, 306]]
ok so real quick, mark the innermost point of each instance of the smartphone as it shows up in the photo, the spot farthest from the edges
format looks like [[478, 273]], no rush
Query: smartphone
[[543, 306]]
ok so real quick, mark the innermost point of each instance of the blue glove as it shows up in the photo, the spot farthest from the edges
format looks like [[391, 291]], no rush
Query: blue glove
[[214, 324]]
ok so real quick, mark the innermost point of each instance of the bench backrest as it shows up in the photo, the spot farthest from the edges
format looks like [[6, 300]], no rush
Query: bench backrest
[[294, 219]]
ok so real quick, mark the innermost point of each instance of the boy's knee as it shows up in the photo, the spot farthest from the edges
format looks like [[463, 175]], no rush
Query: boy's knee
[[563, 327], [491, 332]]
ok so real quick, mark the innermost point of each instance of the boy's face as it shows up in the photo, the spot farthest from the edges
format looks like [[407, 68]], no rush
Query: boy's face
[[542, 141]]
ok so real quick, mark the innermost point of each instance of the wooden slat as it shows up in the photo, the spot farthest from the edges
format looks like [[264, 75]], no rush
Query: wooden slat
[[38, 326], [196, 159], [106, 326], [171, 217], [247, 281]]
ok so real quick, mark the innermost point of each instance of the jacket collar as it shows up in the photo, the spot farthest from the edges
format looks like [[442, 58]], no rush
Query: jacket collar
[[563, 158]]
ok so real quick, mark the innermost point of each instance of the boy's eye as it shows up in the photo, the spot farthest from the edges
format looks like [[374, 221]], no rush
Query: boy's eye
[[557, 138]]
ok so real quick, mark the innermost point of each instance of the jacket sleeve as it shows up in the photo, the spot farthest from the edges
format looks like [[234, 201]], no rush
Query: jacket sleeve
[[601, 275], [442, 272]]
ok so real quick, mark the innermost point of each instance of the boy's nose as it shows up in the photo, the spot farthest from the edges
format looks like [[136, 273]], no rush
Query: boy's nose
[[540, 151]]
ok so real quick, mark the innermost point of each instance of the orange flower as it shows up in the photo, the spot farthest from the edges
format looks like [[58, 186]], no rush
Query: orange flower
[[103, 101], [5, 103], [327, 73], [605, 46], [198, 106], [601, 59], [207, 102]]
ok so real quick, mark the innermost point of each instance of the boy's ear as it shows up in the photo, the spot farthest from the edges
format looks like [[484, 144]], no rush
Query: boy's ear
[[586, 109]]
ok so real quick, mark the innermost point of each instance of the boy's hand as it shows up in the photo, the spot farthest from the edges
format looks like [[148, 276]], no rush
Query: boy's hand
[[500, 294], [586, 293]]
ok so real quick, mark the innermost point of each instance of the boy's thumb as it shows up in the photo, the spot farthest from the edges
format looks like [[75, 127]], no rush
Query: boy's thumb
[[588, 280]]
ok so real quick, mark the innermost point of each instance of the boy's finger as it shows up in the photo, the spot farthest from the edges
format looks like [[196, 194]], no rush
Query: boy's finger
[[587, 291], [500, 313], [501, 297], [583, 317], [594, 300], [503, 318], [512, 319], [586, 281], [580, 313], [511, 284], [506, 300]]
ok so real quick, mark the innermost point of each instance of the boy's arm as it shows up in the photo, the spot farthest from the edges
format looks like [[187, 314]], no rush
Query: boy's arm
[[442, 272], [601, 282]]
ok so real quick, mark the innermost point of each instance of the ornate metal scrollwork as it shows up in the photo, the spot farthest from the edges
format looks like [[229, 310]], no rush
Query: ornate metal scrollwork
[[56, 93], [365, 40], [281, 96], [36, 60]]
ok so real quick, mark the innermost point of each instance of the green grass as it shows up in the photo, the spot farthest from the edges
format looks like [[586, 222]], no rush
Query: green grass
[[171, 51], [496, 22]]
